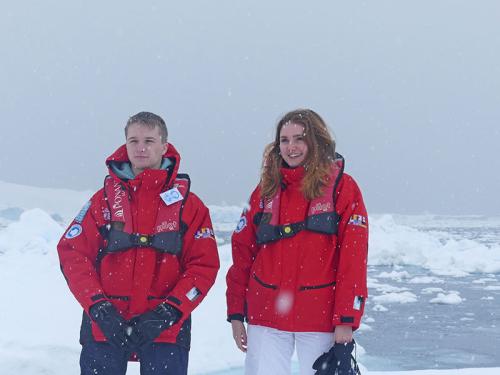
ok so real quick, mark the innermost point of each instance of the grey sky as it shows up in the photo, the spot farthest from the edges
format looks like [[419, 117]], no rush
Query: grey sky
[[411, 90]]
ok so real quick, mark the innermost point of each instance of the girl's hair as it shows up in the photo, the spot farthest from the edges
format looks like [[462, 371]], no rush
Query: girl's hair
[[318, 162]]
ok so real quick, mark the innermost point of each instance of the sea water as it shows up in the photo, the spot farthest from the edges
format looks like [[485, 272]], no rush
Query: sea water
[[434, 287]]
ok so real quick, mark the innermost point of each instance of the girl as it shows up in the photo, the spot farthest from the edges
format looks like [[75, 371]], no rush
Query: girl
[[299, 252]]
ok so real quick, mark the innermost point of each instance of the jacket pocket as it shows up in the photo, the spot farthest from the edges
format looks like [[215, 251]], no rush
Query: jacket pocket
[[265, 285], [321, 286], [261, 300], [315, 306]]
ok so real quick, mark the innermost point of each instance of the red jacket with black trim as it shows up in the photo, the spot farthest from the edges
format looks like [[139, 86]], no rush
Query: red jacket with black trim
[[309, 282], [137, 279]]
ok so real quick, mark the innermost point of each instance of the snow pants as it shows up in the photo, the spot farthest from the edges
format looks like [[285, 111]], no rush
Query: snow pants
[[270, 350], [156, 359]]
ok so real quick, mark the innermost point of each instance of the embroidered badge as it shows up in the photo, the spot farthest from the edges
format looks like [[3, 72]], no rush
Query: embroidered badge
[[171, 196], [106, 214], [241, 224], [358, 220], [193, 294], [74, 231], [81, 215], [321, 207], [204, 233]]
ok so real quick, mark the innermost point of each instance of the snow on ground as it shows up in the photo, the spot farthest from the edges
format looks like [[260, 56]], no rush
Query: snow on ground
[[402, 297], [492, 287], [452, 298], [431, 290], [394, 275], [63, 202], [468, 371], [39, 318], [396, 244], [426, 280]]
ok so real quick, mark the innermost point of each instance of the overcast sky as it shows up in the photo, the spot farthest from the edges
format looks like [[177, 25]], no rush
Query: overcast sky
[[411, 90]]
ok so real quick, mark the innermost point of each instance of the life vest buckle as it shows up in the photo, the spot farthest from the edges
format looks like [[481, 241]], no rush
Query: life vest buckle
[[287, 230], [290, 230], [141, 240]]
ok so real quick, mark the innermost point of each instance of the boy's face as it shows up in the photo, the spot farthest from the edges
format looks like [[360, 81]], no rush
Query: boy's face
[[145, 148]]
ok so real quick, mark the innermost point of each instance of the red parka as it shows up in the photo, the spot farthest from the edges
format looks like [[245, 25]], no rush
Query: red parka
[[308, 282], [137, 279]]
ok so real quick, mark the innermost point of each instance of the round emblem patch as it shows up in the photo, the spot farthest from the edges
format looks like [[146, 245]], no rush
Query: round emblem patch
[[241, 224], [74, 231]]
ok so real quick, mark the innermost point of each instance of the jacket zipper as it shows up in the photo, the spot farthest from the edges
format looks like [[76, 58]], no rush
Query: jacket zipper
[[317, 286], [265, 285]]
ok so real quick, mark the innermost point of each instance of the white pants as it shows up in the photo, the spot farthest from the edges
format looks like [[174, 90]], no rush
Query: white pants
[[269, 350]]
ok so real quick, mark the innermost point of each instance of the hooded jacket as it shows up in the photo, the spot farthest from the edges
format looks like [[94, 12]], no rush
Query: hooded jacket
[[139, 275], [305, 281]]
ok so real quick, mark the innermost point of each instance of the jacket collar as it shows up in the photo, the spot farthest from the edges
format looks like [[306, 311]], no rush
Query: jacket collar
[[292, 175], [120, 168]]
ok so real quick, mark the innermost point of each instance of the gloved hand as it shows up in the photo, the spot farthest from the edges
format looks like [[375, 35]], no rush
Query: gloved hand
[[148, 326], [343, 355], [111, 323], [337, 361], [326, 364]]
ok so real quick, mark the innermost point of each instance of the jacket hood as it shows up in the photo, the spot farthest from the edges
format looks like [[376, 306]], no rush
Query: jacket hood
[[119, 165]]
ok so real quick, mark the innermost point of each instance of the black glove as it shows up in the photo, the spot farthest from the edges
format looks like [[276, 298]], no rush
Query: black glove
[[148, 326], [343, 355], [337, 361], [111, 323], [326, 364]]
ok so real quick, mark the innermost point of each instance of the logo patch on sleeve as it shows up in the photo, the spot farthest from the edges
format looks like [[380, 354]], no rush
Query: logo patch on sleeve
[[358, 302], [193, 294], [74, 231], [81, 215], [241, 224], [358, 220], [204, 233]]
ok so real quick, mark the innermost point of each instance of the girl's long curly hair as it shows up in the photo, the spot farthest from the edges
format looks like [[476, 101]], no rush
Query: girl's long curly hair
[[318, 162]]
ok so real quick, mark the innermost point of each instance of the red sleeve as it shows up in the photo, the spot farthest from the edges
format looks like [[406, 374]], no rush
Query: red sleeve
[[351, 290], [78, 249], [199, 259], [244, 250]]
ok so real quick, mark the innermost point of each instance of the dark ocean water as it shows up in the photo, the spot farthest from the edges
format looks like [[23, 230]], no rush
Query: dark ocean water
[[435, 335]]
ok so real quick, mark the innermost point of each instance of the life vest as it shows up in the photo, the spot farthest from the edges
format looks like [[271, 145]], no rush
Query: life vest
[[168, 229], [321, 215]]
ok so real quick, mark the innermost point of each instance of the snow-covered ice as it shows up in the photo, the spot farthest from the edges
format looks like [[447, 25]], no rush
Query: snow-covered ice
[[452, 298], [40, 319]]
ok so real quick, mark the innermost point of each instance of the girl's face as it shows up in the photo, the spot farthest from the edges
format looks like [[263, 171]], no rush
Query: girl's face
[[293, 147]]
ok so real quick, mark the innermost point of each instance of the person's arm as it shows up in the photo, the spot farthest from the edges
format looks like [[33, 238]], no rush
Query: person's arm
[[244, 250], [78, 250], [351, 290], [239, 334], [199, 259]]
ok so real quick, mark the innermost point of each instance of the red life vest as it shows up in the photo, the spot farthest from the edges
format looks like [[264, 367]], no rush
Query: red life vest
[[321, 214], [168, 229]]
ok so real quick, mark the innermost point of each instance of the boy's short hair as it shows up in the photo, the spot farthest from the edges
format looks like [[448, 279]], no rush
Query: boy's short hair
[[150, 120]]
